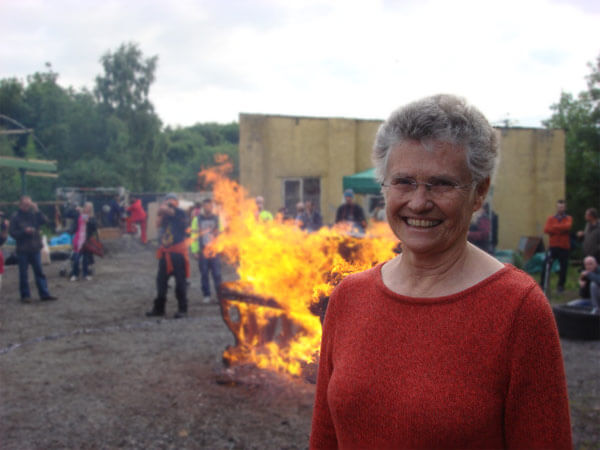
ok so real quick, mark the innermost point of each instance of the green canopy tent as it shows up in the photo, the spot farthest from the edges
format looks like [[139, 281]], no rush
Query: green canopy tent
[[31, 167], [363, 183]]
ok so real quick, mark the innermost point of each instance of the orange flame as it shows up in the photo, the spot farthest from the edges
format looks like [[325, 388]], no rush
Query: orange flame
[[276, 260]]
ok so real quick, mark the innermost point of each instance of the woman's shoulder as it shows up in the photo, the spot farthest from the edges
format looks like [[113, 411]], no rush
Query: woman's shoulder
[[518, 288], [347, 294], [516, 278], [358, 279]]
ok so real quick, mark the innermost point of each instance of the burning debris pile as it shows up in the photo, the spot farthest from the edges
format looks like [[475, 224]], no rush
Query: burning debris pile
[[285, 274]]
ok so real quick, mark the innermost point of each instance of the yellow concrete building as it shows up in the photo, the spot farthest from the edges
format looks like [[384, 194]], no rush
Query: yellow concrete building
[[288, 159]]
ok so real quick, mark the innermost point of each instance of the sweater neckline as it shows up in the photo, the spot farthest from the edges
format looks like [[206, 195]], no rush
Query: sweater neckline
[[443, 299]]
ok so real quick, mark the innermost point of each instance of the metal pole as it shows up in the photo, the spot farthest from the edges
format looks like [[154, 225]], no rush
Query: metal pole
[[23, 182]]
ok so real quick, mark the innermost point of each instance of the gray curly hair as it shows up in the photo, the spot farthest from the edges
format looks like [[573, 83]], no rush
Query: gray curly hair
[[444, 118]]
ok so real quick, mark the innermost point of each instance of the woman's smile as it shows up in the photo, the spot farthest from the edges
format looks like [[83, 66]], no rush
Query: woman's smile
[[421, 223]]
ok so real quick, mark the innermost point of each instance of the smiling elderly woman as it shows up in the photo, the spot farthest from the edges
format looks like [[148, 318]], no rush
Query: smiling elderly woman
[[442, 346]]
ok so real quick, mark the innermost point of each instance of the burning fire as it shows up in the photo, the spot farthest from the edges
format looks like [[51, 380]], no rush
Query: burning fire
[[289, 269]]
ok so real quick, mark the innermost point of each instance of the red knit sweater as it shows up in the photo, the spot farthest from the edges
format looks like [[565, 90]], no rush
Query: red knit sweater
[[478, 369]]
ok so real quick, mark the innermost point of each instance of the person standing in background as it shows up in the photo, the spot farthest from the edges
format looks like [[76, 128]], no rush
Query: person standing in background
[[137, 216], [172, 257], [591, 234], [25, 229], [314, 221], [351, 213], [262, 214], [205, 229], [86, 227], [557, 228]]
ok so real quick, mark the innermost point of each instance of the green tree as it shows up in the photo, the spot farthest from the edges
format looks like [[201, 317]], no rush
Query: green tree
[[123, 95], [190, 149], [579, 117], [110, 136]]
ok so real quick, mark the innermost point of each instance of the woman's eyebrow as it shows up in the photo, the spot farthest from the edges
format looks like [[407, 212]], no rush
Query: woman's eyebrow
[[442, 176]]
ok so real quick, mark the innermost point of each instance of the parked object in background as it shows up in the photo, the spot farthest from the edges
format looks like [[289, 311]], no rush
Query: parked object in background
[[576, 321]]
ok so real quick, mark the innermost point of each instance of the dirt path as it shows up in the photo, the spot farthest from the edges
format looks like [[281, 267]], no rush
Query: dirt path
[[91, 371]]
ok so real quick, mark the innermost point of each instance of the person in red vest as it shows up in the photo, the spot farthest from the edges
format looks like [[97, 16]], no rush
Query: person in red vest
[[557, 228], [137, 216], [173, 257]]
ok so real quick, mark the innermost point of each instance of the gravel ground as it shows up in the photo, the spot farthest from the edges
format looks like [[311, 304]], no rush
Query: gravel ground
[[90, 371]]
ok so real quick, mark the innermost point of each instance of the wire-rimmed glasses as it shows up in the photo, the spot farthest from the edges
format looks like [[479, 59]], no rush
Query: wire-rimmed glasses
[[437, 187]]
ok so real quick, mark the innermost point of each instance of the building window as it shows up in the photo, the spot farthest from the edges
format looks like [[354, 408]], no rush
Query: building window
[[301, 190]]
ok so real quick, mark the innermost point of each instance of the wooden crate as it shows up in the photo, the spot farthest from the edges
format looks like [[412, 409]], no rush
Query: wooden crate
[[109, 233]]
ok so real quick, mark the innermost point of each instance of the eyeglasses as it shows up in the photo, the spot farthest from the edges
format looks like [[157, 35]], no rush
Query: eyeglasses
[[405, 185]]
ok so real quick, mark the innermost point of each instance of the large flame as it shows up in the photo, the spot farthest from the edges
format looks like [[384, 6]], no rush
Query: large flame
[[276, 260]]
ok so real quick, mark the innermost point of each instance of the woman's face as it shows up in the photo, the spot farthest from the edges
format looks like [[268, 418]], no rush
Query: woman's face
[[425, 221]]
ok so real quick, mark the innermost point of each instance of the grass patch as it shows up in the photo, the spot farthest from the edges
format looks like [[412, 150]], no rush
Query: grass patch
[[571, 291]]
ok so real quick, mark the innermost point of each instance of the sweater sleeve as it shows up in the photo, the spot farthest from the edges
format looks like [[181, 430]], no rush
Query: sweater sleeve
[[41, 219], [537, 406], [322, 434], [16, 228], [593, 276]]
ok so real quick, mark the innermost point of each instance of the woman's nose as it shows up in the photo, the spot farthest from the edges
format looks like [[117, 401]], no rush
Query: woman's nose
[[420, 199]]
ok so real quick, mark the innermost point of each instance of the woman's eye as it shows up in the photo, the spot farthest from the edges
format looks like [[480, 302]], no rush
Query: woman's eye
[[402, 182], [442, 183]]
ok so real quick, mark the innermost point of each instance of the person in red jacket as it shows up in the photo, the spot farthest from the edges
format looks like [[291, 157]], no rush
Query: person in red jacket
[[137, 216], [442, 346], [557, 228]]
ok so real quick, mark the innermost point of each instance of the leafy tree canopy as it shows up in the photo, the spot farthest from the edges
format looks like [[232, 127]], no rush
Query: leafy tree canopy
[[110, 136], [579, 117]]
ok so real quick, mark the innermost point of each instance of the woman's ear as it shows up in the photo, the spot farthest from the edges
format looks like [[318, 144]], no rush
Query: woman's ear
[[481, 192]]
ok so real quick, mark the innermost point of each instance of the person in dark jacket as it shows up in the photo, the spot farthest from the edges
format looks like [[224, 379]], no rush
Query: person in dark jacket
[[25, 229], [351, 213], [314, 221]]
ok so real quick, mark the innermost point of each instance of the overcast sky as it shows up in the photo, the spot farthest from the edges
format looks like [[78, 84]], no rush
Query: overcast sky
[[339, 58]]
